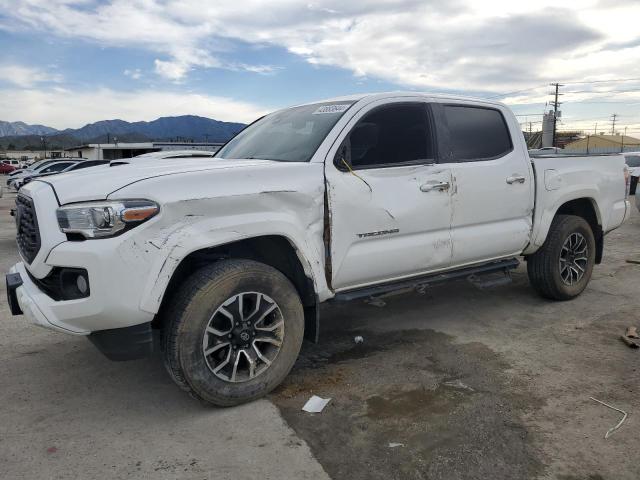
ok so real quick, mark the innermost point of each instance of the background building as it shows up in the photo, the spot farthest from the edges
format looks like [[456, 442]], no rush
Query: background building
[[116, 151], [603, 144]]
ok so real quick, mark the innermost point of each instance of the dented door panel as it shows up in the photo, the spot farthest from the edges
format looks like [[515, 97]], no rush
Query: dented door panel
[[490, 218], [492, 199], [385, 226], [387, 220]]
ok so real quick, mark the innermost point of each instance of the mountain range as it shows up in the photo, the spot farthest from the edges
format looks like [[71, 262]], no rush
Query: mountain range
[[21, 128], [19, 135]]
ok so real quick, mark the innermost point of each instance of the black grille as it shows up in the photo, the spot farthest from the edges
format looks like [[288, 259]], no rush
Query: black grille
[[28, 236]]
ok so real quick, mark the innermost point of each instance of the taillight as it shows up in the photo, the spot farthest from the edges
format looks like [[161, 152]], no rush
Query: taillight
[[627, 181]]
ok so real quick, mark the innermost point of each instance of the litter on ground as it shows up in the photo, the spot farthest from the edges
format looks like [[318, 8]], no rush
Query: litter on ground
[[617, 426], [315, 404], [631, 337], [459, 385]]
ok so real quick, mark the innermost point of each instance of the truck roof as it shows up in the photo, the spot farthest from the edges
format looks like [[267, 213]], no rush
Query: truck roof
[[382, 95]]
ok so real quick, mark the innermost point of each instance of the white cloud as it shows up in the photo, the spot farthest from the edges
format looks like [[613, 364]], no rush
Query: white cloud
[[172, 70], [61, 108], [134, 73], [493, 45], [25, 76]]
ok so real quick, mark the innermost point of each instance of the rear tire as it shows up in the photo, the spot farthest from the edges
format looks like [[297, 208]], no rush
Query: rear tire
[[251, 307], [562, 267], [633, 185]]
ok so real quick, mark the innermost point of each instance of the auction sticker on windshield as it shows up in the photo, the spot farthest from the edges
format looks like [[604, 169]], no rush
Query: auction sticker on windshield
[[331, 109]]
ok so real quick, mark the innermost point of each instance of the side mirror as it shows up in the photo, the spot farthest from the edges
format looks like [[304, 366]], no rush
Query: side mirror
[[342, 160]]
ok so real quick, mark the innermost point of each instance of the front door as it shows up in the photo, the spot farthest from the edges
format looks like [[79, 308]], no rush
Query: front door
[[389, 203]]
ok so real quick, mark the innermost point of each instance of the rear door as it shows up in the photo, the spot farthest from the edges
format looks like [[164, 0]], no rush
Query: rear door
[[493, 191], [389, 203]]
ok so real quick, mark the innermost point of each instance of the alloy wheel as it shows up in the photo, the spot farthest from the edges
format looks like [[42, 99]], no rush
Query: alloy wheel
[[243, 337], [574, 258]]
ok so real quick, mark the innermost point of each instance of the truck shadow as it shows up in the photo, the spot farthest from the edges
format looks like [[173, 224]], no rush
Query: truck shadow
[[410, 401]]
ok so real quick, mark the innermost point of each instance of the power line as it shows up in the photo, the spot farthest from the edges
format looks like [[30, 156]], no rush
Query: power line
[[615, 80], [514, 93], [614, 116], [589, 102], [631, 90]]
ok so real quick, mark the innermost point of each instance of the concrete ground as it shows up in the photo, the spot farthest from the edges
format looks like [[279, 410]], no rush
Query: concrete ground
[[456, 383]]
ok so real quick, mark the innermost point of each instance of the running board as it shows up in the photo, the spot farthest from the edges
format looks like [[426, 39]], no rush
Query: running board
[[418, 283]]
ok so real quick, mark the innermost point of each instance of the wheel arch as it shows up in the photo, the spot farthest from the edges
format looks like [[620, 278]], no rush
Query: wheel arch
[[581, 206], [274, 250], [586, 208]]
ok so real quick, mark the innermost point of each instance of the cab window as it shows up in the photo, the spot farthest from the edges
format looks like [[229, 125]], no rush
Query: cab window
[[390, 135], [476, 133]]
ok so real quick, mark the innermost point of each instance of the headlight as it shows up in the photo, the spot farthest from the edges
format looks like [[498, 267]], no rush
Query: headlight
[[105, 219]]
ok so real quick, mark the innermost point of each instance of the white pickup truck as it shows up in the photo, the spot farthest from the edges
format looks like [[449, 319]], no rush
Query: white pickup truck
[[222, 262]]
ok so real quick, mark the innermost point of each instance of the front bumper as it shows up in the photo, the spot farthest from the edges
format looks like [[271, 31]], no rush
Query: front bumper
[[26, 298], [128, 343], [106, 308]]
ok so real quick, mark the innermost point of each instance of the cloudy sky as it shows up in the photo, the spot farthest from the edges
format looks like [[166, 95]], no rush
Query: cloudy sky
[[65, 63]]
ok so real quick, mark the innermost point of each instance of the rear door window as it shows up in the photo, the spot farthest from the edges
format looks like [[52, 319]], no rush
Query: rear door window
[[476, 133]]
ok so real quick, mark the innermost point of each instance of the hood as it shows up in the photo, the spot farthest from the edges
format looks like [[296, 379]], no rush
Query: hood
[[96, 183]]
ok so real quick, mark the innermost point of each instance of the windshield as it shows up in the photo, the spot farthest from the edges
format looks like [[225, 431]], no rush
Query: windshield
[[291, 135], [633, 160]]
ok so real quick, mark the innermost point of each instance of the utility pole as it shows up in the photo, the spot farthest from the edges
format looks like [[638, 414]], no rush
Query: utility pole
[[555, 104], [613, 123]]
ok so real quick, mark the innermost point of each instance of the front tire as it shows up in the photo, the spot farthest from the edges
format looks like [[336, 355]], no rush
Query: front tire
[[233, 332], [562, 267]]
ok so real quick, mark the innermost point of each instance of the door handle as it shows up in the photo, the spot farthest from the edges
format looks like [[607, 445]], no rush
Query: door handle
[[439, 186], [515, 179]]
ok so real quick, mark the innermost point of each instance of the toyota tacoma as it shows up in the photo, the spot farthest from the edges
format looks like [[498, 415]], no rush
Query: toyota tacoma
[[222, 262]]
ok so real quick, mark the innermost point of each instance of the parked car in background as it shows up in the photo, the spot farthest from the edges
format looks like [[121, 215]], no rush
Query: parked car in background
[[53, 167], [6, 168], [632, 159], [15, 163], [31, 168], [223, 264], [545, 150], [71, 168]]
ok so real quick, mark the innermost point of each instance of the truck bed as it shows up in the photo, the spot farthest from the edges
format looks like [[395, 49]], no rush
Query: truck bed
[[560, 178]]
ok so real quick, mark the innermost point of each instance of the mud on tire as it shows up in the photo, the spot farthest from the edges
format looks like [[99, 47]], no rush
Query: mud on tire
[[226, 302]]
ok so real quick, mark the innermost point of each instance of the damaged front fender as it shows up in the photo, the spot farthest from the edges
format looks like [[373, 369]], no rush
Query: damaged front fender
[[201, 220]]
